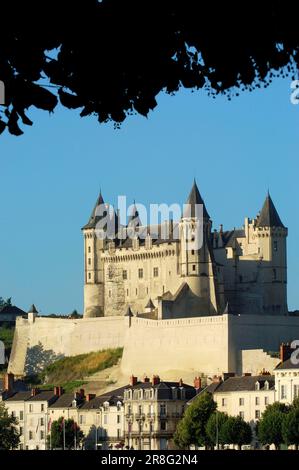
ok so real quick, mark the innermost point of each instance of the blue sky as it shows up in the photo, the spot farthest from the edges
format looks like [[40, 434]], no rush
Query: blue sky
[[51, 176]]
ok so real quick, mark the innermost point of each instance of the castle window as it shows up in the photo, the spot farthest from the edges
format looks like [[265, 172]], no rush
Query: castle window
[[89, 249], [240, 279], [89, 275], [275, 245], [125, 274], [140, 273], [257, 400], [193, 267], [136, 291], [241, 414], [127, 292], [89, 261], [156, 272], [192, 252], [274, 274], [241, 401], [110, 293], [257, 414]]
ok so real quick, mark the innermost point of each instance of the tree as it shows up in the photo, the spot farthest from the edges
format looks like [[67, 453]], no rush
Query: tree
[[236, 431], [269, 428], [192, 427], [9, 436], [5, 303], [290, 427], [72, 433], [111, 59], [214, 428]]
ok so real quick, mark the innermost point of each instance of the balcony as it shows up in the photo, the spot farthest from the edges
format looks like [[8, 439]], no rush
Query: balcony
[[139, 416]]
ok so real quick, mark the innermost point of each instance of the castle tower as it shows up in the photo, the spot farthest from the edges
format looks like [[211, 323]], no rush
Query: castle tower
[[93, 267], [197, 265], [271, 235]]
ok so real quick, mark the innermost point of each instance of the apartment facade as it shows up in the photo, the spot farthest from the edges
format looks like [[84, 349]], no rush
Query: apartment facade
[[152, 410]]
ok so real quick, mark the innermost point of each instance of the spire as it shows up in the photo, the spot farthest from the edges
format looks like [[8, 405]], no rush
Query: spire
[[193, 199], [150, 304], [32, 309], [134, 217], [93, 219], [269, 216], [129, 312]]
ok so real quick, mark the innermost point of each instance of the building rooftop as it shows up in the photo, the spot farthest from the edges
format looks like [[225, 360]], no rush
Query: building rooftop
[[288, 364], [241, 384]]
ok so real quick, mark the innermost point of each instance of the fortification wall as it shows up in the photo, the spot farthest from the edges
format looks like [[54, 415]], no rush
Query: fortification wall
[[46, 339], [209, 345], [267, 332], [156, 346]]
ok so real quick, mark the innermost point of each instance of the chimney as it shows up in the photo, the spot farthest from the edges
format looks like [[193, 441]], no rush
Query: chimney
[[81, 391], [77, 396], [146, 379], [285, 351], [9, 382], [247, 374], [180, 382], [90, 396], [227, 375], [155, 380], [197, 383], [34, 392], [133, 380], [58, 391]]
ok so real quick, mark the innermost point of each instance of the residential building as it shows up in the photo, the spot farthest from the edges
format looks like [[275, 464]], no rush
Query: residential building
[[152, 410]]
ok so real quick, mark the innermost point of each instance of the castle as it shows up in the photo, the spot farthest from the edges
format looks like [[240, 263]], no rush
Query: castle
[[221, 307], [243, 271]]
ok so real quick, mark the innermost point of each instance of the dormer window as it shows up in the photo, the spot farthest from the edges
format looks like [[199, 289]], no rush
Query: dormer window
[[266, 386], [257, 386]]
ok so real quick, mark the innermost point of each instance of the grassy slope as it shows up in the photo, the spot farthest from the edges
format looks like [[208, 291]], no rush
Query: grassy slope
[[70, 371]]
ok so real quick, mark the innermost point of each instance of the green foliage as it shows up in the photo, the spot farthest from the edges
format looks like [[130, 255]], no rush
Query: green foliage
[[67, 386], [290, 427], [270, 426], [9, 436], [236, 431], [192, 427], [4, 303], [67, 428], [216, 420], [6, 335]]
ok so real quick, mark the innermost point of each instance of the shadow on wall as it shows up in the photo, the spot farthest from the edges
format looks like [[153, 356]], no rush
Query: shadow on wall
[[37, 358]]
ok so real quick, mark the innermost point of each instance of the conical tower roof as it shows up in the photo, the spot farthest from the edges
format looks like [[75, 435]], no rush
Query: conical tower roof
[[94, 218], [129, 312], [134, 217], [269, 216], [195, 198], [150, 304], [32, 309]]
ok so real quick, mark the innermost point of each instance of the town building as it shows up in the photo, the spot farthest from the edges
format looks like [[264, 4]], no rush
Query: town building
[[152, 410]]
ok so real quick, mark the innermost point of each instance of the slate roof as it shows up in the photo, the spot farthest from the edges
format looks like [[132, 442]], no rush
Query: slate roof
[[269, 216], [241, 384], [112, 397], [64, 401], [288, 364], [193, 199], [19, 396], [165, 389], [12, 310]]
